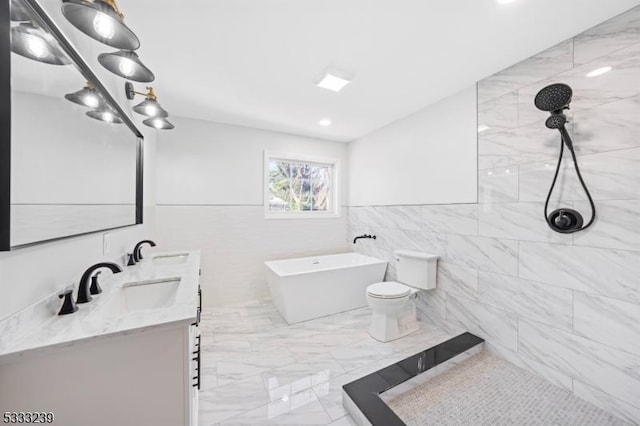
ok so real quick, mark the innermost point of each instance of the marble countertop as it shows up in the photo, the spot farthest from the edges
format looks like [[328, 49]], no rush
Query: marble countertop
[[38, 327]]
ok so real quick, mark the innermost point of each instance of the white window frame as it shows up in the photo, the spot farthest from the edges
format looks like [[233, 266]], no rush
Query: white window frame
[[335, 186]]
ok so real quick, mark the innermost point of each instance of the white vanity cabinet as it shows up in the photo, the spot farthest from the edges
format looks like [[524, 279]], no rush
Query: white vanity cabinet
[[144, 370]]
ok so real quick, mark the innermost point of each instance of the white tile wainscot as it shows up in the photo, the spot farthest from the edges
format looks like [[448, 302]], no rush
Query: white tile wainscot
[[117, 351]]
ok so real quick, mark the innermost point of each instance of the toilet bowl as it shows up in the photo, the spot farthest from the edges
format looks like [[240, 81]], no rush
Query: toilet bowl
[[393, 310]]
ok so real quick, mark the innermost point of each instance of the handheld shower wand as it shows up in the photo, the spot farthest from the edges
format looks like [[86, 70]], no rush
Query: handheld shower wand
[[555, 99]]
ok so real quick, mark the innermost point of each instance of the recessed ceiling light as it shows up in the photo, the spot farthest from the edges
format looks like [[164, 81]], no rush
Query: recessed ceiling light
[[334, 82], [482, 128], [325, 122], [504, 1], [599, 71]]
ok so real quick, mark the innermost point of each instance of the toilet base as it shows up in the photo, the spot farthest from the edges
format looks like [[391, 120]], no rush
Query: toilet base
[[389, 326]]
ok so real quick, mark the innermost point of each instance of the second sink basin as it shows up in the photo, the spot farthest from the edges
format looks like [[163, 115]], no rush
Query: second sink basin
[[151, 294]]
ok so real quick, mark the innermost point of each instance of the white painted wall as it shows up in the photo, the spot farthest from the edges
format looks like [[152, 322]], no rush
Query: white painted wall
[[210, 196], [429, 157]]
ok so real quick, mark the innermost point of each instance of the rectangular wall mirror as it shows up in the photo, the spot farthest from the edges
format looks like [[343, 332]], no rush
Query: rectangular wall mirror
[[64, 172]]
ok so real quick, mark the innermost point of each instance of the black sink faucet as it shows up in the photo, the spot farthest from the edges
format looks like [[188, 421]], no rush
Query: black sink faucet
[[83, 285], [373, 237], [137, 250]]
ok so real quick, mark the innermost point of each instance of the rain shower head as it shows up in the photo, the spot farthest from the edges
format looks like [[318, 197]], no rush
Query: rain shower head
[[554, 97]]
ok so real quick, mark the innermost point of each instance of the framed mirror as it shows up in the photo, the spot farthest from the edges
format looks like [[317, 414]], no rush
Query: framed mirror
[[70, 157]]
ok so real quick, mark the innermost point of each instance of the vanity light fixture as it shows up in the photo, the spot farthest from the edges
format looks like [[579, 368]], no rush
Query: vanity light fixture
[[325, 122], [599, 71], [32, 42], [150, 107], [104, 114], [160, 123], [101, 20], [126, 64], [333, 80], [87, 96]]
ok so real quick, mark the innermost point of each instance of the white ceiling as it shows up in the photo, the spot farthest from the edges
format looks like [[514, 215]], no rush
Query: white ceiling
[[254, 62]]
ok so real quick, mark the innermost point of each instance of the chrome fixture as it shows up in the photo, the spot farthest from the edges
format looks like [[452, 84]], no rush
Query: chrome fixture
[[104, 114], [101, 20], [34, 43], [87, 96], [83, 285], [126, 64], [137, 250], [159, 123], [555, 99], [150, 107]]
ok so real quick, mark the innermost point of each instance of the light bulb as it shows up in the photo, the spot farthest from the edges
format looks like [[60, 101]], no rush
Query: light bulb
[[127, 67], [37, 46], [91, 101], [157, 123], [151, 110], [103, 25], [107, 116]]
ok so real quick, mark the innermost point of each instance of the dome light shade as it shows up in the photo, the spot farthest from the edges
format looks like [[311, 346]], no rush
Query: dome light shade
[[150, 108], [87, 96], [104, 114], [102, 21], [158, 123], [126, 64], [32, 42]]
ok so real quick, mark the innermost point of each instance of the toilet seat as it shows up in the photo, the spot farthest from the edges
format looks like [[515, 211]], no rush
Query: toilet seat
[[388, 290]]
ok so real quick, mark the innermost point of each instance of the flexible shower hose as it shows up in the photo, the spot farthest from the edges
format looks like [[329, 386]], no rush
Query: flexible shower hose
[[584, 186]]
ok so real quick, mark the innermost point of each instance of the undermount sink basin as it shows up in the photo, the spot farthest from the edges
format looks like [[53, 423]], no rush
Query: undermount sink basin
[[151, 294], [171, 259]]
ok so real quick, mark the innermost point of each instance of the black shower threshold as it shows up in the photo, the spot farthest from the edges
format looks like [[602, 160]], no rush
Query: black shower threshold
[[364, 393]]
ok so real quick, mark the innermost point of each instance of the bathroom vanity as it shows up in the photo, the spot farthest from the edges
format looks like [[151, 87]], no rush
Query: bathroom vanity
[[129, 357]]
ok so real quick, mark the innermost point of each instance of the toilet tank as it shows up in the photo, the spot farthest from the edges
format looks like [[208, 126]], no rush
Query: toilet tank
[[416, 269]]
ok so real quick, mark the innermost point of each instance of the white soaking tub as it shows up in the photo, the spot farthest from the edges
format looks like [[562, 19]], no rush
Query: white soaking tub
[[313, 287]]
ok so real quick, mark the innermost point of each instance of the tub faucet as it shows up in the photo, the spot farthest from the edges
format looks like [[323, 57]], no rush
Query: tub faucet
[[83, 285], [137, 250], [373, 237]]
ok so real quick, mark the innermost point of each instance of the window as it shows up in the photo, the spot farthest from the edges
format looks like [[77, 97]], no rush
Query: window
[[298, 186]]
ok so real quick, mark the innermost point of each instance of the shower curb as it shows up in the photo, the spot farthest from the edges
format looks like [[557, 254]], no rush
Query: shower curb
[[363, 400]]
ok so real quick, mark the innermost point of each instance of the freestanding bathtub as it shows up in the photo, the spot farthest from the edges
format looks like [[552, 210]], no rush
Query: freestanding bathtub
[[313, 287]]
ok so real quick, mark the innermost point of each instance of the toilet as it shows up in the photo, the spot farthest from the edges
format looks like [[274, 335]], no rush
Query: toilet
[[391, 302]]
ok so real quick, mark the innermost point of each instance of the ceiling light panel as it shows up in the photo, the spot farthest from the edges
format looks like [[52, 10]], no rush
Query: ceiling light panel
[[333, 82]]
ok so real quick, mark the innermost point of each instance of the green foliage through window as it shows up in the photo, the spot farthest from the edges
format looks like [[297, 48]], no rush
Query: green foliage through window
[[297, 186]]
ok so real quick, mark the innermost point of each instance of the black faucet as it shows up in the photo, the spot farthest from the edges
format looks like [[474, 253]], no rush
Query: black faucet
[[83, 285], [373, 237], [137, 250]]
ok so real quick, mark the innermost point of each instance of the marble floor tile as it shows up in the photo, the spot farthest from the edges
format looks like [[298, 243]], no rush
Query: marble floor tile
[[303, 375], [298, 409], [607, 402], [224, 402], [344, 421]]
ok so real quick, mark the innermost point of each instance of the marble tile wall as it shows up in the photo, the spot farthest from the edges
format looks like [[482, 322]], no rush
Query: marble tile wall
[[566, 307]]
